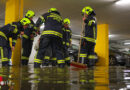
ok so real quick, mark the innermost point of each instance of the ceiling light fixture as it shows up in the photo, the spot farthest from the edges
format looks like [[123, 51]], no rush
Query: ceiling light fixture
[[127, 43], [111, 36], [122, 2]]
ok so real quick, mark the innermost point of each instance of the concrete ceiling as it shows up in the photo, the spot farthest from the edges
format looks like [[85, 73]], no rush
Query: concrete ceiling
[[117, 16]]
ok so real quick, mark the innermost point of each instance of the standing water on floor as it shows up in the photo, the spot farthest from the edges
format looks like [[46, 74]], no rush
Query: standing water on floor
[[68, 78]]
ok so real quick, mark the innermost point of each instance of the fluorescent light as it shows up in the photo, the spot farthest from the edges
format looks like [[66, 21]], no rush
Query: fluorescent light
[[127, 43], [128, 86], [111, 36], [122, 2]]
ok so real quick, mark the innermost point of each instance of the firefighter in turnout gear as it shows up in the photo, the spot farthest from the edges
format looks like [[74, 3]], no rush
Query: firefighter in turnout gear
[[51, 36], [88, 41], [27, 38], [11, 30], [67, 40]]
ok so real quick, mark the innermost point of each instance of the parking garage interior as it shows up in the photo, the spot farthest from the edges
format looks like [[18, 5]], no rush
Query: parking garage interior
[[112, 70]]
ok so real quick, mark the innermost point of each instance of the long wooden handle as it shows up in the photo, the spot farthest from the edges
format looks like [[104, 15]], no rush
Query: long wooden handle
[[83, 24]]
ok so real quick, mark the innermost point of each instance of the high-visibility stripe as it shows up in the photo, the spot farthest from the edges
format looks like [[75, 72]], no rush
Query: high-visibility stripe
[[67, 44], [42, 18], [63, 29], [1, 50], [15, 29], [68, 58], [90, 39], [2, 53], [5, 59], [82, 80], [94, 32], [83, 55], [37, 60], [35, 28], [67, 30], [63, 42], [70, 33], [60, 82], [2, 34], [53, 58], [92, 57], [14, 41], [25, 36], [90, 22], [25, 58], [47, 57], [60, 61], [53, 33]]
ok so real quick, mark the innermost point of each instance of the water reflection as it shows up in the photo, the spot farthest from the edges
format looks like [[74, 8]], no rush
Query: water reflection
[[5, 81], [68, 78]]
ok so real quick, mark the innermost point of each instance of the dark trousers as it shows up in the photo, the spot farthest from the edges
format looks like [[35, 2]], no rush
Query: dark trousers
[[66, 55], [26, 50], [4, 51], [52, 46], [87, 54]]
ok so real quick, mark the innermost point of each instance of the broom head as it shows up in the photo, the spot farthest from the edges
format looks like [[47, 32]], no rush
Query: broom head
[[78, 65]]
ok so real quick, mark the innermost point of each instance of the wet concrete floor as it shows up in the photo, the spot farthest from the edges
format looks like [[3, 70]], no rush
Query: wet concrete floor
[[68, 78]]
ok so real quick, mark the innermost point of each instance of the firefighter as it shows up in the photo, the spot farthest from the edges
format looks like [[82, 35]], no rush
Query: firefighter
[[51, 37], [27, 38], [10, 30], [67, 40], [89, 37]]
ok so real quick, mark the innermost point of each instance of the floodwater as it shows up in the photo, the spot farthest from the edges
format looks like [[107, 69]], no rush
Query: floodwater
[[68, 78]]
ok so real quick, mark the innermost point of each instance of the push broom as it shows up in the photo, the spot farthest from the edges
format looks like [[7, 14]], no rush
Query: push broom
[[78, 64]]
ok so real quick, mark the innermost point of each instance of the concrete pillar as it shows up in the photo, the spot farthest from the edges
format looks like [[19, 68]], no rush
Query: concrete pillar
[[102, 45], [101, 73], [14, 12]]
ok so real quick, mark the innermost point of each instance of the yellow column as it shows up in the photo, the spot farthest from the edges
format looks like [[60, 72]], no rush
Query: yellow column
[[102, 45], [101, 73], [14, 12]]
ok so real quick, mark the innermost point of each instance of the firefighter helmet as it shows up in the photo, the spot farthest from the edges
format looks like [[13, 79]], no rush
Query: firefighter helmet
[[52, 9], [66, 21], [25, 21], [30, 14], [88, 10]]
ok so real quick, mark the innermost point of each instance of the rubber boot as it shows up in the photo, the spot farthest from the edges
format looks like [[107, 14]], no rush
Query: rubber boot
[[54, 63], [45, 63], [91, 63], [6, 63], [37, 65], [67, 63], [82, 59], [86, 61], [62, 65]]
